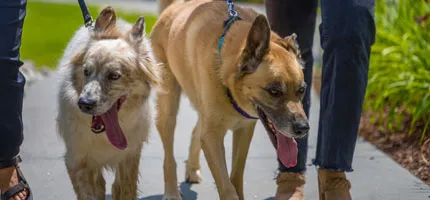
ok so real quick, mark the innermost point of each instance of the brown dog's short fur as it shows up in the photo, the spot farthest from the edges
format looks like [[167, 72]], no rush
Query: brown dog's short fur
[[262, 70], [119, 48]]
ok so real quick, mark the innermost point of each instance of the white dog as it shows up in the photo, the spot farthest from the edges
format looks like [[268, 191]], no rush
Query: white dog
[[107, 76]]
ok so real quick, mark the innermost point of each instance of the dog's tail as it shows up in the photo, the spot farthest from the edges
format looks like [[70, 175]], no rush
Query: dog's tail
[[163, 4]]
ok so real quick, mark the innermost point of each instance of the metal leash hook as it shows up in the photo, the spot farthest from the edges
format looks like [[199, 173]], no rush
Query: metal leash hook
[[88, 20], [231, 10]]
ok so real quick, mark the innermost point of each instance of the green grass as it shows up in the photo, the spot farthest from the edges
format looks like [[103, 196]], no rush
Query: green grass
[[48, 27], [399, 75]]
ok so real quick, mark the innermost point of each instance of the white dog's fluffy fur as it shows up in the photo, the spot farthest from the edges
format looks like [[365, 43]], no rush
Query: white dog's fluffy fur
[[119, 47]]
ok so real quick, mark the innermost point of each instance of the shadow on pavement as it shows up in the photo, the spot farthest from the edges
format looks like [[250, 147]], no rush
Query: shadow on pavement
[[187, 194], [153, 197], [270, 198]]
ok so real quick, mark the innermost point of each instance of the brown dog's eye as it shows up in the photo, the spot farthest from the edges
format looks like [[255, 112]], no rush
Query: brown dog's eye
[[302, 90], [274, 92], [114, 76]]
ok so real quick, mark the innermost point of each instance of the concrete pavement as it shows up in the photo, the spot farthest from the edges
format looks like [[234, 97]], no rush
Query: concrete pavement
[[376, 177]]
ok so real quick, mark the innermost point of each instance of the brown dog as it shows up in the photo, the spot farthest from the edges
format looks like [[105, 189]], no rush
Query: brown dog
[[253, 73], [107, 77]]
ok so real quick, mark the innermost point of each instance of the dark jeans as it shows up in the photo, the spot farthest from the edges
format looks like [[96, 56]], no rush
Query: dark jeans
[[347, 32], [12, 14]]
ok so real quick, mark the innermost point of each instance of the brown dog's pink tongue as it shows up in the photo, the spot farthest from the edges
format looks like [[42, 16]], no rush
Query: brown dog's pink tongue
[[287, 150], [113, 129]]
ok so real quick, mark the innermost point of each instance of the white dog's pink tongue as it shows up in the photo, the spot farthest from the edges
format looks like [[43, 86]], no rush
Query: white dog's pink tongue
[[113, 129], [287, 150]]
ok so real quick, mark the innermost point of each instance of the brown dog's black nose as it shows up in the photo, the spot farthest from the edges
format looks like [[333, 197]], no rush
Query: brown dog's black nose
[[301, 128], [86, 104]]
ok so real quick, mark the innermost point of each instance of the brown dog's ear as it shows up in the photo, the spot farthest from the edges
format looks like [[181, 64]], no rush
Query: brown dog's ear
[[291, 44], [106, 20], [257, 44]]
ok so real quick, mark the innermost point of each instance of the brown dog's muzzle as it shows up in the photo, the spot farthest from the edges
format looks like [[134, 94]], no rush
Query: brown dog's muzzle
[[290, 120], [300, 126]]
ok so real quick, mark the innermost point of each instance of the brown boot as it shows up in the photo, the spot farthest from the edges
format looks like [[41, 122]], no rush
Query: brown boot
[[290, 186], [333, 185]]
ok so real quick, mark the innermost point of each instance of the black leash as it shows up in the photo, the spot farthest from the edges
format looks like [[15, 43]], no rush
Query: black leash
[[88, 20]]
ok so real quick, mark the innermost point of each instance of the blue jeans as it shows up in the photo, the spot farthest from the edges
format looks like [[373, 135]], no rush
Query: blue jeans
[[12, 14], [347, 32]]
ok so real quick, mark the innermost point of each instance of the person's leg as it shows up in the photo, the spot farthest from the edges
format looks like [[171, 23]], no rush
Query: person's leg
[[347, 33], [287, 17], [296, 16], [12, 14]]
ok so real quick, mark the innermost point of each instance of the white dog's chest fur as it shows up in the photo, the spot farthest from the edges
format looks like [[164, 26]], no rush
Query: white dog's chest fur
[[96, 147]]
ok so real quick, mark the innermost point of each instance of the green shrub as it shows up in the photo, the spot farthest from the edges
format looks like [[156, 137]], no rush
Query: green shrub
[[399, 74]]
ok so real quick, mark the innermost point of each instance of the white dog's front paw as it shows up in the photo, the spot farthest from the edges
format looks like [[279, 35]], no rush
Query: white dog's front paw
[[193, 176]]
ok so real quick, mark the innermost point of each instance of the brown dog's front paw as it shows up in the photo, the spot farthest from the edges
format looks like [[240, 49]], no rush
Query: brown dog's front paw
[[193, 176]]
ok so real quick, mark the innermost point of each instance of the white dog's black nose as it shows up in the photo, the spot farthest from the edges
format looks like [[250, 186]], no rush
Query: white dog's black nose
[[86, 104], [301, 128]]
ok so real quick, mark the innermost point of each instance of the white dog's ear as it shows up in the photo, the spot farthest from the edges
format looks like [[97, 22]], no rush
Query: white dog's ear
[[106, 20], [138, 30]]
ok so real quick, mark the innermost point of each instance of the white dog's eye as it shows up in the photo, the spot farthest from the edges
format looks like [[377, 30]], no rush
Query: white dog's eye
[[114, 76]]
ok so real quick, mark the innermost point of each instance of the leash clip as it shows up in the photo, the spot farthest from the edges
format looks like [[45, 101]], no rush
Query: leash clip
[[88, 20], [231, 10], [89, 24]]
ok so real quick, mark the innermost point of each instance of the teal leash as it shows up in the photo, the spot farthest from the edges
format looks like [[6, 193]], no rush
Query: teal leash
[[226, 27], [233, 17]]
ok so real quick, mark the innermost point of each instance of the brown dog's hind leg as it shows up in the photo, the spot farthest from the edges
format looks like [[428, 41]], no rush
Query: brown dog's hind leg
[[126, 177], [167, 108], [192, 171], [241, 140]]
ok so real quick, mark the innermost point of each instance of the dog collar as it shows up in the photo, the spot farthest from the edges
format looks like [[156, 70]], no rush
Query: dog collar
[[236, 107]]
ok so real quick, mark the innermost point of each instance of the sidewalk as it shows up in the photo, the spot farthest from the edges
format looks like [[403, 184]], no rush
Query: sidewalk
[[376, 177]]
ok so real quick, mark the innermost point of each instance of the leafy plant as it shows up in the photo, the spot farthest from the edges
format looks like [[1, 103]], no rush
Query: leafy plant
[[399, 74]]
